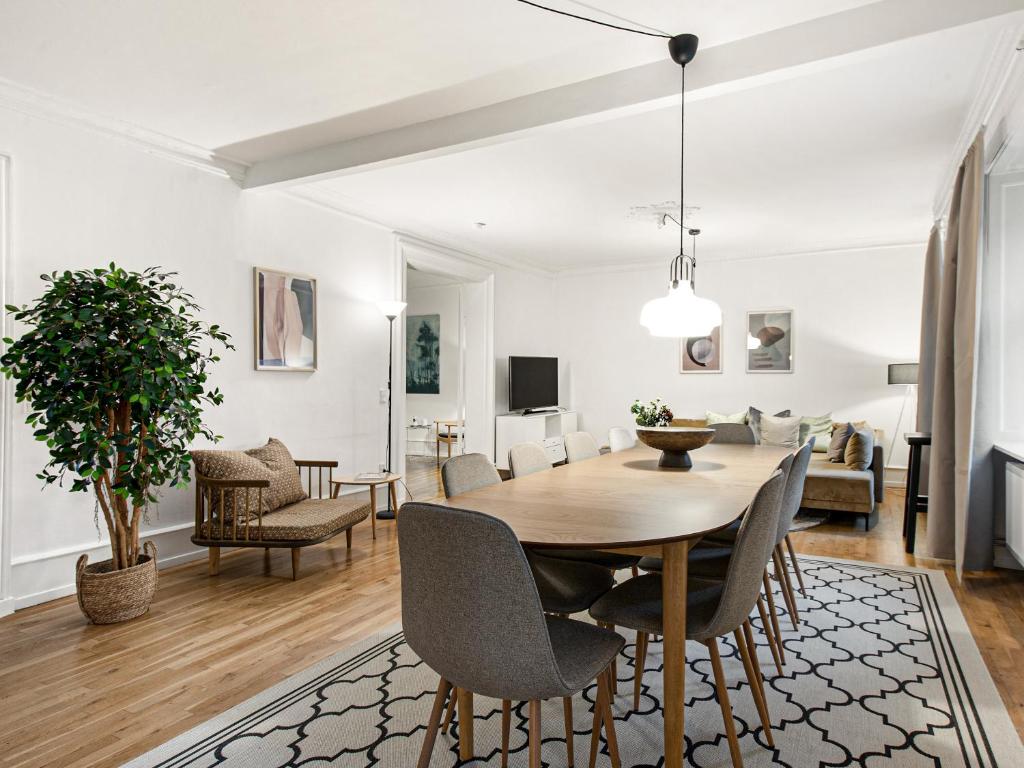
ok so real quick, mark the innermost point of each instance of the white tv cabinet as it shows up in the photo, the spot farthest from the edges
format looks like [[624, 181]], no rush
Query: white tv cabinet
[[548, 429]]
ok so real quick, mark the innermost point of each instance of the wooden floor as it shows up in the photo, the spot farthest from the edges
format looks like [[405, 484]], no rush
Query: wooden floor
[[72, 694]]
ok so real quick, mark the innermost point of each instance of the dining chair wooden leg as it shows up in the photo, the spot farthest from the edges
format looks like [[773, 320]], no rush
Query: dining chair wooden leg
[[506, 729], [535, 735], [609, 723], [723, 701], [748, 652], [465, 724], [595, 728], [769, 634], [773, 612], [449, 715], [796, 565], [638, 667], [569, 749], [443, 688], [615, 667], [787, 591]]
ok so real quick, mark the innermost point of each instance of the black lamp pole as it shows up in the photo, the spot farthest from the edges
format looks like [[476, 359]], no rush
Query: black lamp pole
[[389, 513]]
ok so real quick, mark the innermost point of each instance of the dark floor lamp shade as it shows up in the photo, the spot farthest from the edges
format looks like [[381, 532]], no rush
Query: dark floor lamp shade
[[903, 373]]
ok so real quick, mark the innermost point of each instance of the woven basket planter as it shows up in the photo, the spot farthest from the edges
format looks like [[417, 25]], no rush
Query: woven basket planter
[[107, 596]]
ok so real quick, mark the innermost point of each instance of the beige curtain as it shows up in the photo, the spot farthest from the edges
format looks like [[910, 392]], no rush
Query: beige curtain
[[929, 326], [956, 335]]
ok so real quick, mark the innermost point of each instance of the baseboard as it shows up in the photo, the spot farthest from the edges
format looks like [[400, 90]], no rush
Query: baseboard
[[63, 590], [1003, 558], [6, 607]]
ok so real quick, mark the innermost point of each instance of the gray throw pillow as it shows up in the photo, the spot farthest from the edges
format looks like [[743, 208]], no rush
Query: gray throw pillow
[[754, 420], [783, 431], [860, 448], [837, 448]]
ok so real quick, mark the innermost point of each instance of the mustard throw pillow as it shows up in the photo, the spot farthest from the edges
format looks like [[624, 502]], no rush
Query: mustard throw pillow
[[860, 448]]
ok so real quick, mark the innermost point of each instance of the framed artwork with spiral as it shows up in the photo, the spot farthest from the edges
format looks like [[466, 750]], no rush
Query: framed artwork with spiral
[[284, 306], [701, 354]]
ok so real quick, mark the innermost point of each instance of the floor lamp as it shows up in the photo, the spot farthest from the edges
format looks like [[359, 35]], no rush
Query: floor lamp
[[901, 374], [391, 310]]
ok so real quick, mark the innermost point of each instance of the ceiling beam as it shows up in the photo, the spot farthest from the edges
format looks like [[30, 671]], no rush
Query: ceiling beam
[[792, 51]]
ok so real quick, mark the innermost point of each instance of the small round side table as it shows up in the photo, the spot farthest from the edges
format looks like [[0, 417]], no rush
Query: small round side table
[[389, 479]]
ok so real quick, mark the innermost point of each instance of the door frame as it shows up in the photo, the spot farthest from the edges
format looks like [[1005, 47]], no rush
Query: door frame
[[6, 401], [435, 258]]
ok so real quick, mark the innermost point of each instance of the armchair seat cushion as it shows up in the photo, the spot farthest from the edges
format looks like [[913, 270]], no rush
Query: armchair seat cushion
[[307, 520]]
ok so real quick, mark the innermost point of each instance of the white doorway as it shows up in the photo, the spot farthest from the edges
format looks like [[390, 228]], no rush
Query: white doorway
[[445, 381], [6, 405]]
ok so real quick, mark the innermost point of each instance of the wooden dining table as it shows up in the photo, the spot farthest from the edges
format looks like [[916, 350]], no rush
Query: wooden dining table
[[623, 502]]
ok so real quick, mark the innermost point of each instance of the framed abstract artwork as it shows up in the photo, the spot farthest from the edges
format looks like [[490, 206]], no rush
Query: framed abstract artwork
[[423, 354], [770, 341], [701, 354], [285, 321]]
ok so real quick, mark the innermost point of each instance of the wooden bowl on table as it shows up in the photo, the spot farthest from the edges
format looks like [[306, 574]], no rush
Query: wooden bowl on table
[[675, 443]]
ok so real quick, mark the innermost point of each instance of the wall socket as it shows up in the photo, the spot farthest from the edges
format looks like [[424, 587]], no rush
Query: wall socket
[[383, 395], [380, 467]]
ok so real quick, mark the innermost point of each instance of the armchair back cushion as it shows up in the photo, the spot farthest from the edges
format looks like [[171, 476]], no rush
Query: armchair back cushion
[[271, 462]]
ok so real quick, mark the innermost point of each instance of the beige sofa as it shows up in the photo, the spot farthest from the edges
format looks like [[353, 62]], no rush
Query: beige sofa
[[835, 487]]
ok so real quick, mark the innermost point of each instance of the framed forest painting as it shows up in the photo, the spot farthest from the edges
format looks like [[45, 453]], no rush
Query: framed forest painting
[[423, 354]]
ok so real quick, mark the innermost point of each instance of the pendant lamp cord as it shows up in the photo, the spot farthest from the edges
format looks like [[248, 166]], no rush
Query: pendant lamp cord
[[682, 161], [594, 21]]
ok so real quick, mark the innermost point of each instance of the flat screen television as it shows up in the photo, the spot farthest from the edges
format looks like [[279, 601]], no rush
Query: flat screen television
[[532, 383]]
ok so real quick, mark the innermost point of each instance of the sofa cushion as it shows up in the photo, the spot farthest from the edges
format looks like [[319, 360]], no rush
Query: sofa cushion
[[860, 449], [837, 445], [783, 431], [285, 482], [306, 520], [271, 462], [833, 487], [754, 420], [726, 418], [818, 427]]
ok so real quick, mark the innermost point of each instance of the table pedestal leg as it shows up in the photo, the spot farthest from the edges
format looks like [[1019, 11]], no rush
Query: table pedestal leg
[[673, 580], [373, 510]]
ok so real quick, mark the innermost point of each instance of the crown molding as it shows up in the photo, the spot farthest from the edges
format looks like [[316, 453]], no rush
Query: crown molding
[[324, 197], [29, 101], [1002, 67], [633, 266]]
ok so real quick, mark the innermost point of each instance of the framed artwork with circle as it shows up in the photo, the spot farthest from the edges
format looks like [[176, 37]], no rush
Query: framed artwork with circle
[[701, 354]]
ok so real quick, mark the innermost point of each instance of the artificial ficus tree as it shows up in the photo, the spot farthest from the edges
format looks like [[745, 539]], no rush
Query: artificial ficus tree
[[114, 366]]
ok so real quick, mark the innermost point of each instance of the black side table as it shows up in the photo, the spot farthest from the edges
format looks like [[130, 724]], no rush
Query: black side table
[[915, 502]]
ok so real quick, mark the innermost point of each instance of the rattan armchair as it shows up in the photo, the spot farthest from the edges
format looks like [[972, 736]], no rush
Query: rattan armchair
[[231, 513]]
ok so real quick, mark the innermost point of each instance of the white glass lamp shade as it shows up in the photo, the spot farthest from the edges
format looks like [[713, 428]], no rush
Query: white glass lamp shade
[[680, 314], [391, 309]]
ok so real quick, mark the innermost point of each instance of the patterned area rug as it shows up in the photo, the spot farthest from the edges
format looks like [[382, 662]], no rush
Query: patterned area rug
[[883, 671]]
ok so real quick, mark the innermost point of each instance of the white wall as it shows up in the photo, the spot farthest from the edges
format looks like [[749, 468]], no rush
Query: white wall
[[441, 300], [854, 312], [79, 199]]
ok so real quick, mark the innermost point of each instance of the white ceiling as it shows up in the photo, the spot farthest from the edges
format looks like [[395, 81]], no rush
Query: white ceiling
[[219, 72], [845, 156]]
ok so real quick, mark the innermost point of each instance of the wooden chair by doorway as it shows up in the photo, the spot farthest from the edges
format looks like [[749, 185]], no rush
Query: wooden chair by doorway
[[447, 431]]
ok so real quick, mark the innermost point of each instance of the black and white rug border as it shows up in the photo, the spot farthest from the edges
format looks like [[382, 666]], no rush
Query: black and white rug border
[[988, 736]]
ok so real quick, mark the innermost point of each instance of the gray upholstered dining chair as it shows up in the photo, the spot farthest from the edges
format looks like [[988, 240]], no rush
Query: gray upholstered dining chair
[[580, 446], [738, 434], [713, 607], [620, 439], [527, 458], [471, 612]]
